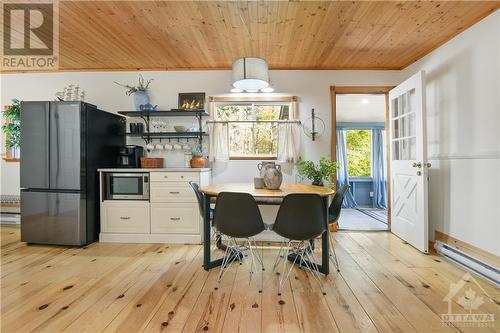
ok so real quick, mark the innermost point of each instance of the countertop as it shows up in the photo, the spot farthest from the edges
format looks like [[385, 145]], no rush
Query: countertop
[[154, 170]]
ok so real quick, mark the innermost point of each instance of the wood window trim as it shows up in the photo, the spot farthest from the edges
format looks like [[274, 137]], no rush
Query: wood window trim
[[252, 99], [293, 100], [334, 90]]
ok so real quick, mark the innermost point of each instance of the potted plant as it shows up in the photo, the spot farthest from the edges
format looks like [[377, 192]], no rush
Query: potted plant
[[12, 126], [318, 173], [139, 91], [197, 161]]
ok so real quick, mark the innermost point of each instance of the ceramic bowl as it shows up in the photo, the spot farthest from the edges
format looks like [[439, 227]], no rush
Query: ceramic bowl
[[180, 128]]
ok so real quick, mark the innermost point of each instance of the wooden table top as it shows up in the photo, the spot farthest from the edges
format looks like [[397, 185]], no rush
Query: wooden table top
[[215, 189]]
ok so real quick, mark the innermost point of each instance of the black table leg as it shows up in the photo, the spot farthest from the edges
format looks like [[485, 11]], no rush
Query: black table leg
[[207, 262], [325, 243], [206, 234]]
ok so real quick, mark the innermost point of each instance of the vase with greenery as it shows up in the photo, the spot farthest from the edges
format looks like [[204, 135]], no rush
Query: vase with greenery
[[197, 161], [139, 92], [12, 125], [318, 173]]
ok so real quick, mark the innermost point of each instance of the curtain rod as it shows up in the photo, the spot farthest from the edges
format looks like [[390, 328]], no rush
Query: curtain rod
[[252, 121]]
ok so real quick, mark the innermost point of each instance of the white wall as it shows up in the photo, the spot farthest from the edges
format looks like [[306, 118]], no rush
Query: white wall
[[312, 88], [463, 125]]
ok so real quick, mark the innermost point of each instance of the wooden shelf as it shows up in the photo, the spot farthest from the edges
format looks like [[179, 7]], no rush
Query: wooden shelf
[[166, 113]]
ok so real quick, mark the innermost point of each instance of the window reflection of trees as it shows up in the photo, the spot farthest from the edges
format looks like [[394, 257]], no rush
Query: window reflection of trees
[[253, 138]]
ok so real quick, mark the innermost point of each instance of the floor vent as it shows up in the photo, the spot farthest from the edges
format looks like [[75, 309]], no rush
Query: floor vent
[[471, 264]]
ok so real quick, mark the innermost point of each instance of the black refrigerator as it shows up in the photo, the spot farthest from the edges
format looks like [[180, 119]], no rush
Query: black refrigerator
[[63, 144]]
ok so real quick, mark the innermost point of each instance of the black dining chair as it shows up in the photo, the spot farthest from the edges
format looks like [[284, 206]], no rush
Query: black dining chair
[[237, 216], [333, 218], [200, 197], [302, 218]]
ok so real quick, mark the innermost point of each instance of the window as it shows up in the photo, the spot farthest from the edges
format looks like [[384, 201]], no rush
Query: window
[[359, 146], [253, 131], [10, 125]]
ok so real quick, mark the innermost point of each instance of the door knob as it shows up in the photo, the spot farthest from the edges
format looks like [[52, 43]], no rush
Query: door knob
[[417, 165], [419, 173], [428, 165]]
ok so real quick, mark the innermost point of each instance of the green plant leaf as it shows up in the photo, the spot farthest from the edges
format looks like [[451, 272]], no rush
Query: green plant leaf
[[322, 171], [12, 125]]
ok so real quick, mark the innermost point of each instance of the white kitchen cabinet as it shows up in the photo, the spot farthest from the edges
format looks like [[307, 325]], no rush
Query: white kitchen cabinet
[[175, 177], [171, 192], [125, 216], [177, 218], [171, 215]]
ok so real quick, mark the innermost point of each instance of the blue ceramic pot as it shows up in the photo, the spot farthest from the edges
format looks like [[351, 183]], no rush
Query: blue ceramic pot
[[140, 98]]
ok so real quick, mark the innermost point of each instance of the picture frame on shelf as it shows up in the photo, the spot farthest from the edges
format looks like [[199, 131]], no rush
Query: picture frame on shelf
[[192, 101]]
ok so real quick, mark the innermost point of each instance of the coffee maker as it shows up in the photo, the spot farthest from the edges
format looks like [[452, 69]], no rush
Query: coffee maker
[[130, 156]]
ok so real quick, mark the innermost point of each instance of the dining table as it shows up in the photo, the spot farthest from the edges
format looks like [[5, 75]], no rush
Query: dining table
[[267, 196]]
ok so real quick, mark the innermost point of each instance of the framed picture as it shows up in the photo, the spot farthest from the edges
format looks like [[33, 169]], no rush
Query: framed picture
[[192, 101]]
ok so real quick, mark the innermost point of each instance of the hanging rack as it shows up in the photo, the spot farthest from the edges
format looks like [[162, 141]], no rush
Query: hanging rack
[[254, 121]]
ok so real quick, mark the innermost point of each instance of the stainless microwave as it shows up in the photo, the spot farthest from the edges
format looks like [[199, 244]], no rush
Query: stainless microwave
[[127, 186]]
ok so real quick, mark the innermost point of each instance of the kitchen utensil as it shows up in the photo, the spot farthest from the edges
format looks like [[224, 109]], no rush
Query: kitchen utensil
[[258, 182], [168, 146], [178, 128], [133, 127], [159, 146], [140, 128], [177, 146]]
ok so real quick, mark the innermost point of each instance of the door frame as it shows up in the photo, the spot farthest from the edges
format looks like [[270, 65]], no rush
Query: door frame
[[334, 90]]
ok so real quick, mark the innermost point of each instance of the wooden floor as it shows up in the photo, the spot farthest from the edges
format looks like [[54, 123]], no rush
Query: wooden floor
[[384, 286]]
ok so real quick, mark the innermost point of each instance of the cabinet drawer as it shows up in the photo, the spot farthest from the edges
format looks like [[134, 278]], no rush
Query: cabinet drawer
[[125, 216], [174, 218], [174, 177], [172, 192]]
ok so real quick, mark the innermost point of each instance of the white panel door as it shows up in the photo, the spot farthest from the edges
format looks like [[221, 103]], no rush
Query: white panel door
[[409, 219]]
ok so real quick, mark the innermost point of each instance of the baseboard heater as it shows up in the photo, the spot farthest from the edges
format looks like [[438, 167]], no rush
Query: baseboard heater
[[471, 264]]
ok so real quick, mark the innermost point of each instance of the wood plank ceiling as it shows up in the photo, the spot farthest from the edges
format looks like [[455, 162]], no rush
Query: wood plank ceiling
[[164, 35]]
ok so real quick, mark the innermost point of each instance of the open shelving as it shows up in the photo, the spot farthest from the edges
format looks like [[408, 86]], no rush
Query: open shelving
[[148, 136]]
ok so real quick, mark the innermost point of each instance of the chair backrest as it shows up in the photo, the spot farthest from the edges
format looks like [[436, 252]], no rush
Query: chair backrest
[[199, 196], [237, 215], [336, 205], [301, 217]]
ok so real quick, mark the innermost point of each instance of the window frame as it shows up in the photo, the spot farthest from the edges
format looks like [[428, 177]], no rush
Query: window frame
[[370, 154], [345, 126], [214, 100]]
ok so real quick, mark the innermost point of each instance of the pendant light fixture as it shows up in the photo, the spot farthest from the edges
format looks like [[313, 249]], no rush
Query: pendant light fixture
[[250, 74]]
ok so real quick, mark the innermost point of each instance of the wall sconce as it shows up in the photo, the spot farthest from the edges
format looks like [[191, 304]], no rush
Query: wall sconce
[[317, 127]]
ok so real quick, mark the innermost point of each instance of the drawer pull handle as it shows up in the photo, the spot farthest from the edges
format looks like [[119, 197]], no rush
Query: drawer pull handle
[[182, 177], [175, 218], [174, 192], [124, 217], [165, 176]]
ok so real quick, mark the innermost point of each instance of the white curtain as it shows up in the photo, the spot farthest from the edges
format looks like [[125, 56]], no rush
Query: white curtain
[[288, 142], [218, 150]]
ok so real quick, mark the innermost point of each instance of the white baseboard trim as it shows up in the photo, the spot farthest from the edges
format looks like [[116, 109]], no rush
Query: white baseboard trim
[[149, 238]]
